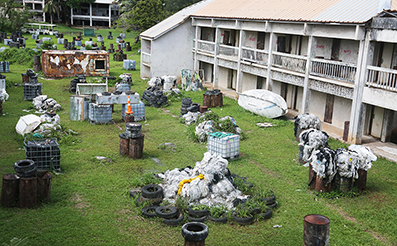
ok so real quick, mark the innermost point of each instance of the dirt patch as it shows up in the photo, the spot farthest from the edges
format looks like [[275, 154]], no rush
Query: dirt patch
[[168, 112], [80, 203]]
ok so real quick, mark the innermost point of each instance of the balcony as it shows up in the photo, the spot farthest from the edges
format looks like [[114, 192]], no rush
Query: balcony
[[206, 46], [334, 70], [382, 78], [255, 55], [146, 58], [291, 62], [227, 51]]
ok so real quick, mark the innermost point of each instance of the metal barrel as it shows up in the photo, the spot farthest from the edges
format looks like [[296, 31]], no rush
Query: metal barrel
[[315, 230]]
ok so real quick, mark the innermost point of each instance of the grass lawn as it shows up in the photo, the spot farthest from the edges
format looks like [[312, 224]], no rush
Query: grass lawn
[[90, 202]]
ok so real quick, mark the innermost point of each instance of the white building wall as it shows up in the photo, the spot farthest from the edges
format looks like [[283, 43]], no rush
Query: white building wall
[[146, 46], [387, 55], [317, 104], [299, 97], [172, 52], [207, 34], [342, 108], [349, 51], [324, 48], [249, 82], [251, 39], [305, 42], [276, 87], [223, 77], [377, 122], [208, 71]]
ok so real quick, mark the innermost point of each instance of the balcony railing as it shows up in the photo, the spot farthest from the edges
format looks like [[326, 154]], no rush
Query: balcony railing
[[206, 46], [146, 58], [383, 78], [230, 51], [255, 55], [290, 62], [334, 69]]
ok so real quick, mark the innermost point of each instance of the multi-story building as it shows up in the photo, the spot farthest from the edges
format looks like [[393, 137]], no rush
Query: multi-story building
[[336, 59], [37, 7], [98, 13]]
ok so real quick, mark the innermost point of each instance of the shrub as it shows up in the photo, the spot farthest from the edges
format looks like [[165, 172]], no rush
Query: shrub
[[47, 45]]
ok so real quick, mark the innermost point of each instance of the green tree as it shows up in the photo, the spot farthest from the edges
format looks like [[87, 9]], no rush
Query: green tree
[[51, 8], [147, 13], [12, 15], [173, 6]]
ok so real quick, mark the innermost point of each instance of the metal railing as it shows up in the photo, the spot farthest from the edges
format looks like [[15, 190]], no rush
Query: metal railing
[[206, 46], [383, 78], [255, 55], [230, 51], [334, 69], [290, 62], [146, 58]]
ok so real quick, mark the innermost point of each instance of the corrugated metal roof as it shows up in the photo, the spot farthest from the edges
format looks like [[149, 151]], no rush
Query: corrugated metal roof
[[352, 11], [393, 4], [174, 20]]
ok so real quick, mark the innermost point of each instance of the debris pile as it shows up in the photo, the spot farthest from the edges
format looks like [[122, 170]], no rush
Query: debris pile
[[166, 83], [154, 96], [42, 103], [191, 80], [311, 140], [3, 95], [73, 83], [209, 183], [305, 122]]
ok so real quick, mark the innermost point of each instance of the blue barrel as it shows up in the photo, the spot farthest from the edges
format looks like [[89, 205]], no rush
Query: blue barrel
[[129, 64], [77, 43]]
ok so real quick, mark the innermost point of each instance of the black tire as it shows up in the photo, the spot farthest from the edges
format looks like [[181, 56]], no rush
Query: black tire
[[218, 220], [195, 219], [72, 89], [152, 191], [174, 221], [269, 200], [194, 231], [243, 221], [24, 166], [149, 212], [166, 212], [198, 213], [274, 205], [152, 201], [266, 215]]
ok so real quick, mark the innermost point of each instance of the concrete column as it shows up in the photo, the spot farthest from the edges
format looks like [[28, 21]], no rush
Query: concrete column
[[387, 128], [42, 7], [311, 53], [216, 67], [196, 64], [240, 74], [110, 15], [90, 14], [71, 16], [272, 47], [357, 114]]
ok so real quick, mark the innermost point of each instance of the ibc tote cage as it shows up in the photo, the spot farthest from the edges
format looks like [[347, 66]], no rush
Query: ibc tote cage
[[44, 152]]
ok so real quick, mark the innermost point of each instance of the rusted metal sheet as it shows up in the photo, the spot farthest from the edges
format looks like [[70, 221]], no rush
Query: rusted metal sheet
[[67, 63]]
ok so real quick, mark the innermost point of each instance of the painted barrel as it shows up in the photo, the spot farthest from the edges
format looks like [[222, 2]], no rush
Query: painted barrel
[[133, 129], [315, 230], [123, 87], [99, 38], [124, 144], [129, 64]]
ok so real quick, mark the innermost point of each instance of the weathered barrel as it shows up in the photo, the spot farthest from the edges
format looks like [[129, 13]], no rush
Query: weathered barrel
[[124, 144], [44, 187], [36, 63], [9, 190], [315, 230], [136, 147], [28, 192]]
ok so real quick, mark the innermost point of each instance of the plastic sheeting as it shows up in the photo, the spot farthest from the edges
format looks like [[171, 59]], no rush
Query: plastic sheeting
[[347, 162], [203, 129], [3, 95], [167, 82], [366, 157], [323, 164], [215, 189], [191, 117], [42, 103], [306, 121], [311, 140]]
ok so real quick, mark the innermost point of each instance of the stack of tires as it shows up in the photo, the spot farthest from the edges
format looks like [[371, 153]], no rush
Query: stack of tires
[[152, 96], [186, 103], [73, 83], [194, 108], [151, 193], [25, 168]]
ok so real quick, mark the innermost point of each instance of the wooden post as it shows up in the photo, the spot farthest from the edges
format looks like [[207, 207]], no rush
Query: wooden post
[[124, 144], [129, 118], [219, 100], [44, 187], [361, 182], [27, 192], [320, 186], [9, 190], [203, 109], [136, 147], [315, 230], [312, 177]]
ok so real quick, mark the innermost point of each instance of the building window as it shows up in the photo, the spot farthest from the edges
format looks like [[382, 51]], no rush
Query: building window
[[100, 64]]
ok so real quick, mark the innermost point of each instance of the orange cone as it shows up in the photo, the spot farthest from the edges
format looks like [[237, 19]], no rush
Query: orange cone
[[129, 110]]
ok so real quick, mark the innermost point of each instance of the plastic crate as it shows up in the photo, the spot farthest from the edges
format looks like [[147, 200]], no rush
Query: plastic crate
[[224, 144], [100, 113], [31, 91], [138, 108], [44, 153]]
